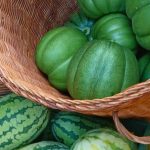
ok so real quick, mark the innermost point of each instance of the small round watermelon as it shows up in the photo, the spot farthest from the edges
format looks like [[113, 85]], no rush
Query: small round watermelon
[[22, 121], [103, 139], [45, 145], [67, 127]]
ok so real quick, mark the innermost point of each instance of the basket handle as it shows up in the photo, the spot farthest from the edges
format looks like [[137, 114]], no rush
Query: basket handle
[[123, 131]]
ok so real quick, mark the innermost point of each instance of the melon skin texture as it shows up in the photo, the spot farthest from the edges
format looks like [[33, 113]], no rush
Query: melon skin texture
[[21, 121], [133, 6], [67, 127], [45, 145], [98, 8], [101, 69], [139, 12], [144, 66], [103, 139], [117, 28], [54, 52]]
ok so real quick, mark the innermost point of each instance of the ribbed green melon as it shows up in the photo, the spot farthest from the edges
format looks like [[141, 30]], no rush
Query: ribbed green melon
[[46, 145], [103, 139], [139, 11], [98, 8], [115, 27], [144, 66], [135, 5], [54, 52], [100, 69], [67, 127], [21, 121]]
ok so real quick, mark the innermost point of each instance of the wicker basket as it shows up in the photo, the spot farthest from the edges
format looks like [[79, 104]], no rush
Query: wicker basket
[[22, 23], [3, 89]]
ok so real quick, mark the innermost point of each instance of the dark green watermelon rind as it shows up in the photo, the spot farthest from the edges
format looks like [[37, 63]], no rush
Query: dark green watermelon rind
[[79, 124], [10, 124], [46, 145]]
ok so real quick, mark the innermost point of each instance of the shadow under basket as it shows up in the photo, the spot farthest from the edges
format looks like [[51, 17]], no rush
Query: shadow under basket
[[22, 24]]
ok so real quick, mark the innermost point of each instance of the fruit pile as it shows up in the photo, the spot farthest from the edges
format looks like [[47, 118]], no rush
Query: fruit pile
[[100, 51], [25, 125], [95, 54]]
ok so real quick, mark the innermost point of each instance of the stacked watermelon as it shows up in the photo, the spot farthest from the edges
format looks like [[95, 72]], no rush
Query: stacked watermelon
[[92, 56], [26, 125], [21, 121], [103, 139], [45, 145], [67, 127]]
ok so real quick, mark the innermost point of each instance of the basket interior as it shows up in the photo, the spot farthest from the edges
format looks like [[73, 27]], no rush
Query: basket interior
[[22, 24]]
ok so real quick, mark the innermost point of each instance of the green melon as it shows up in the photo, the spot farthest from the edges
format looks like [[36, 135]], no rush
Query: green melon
[[144, 66], [100, 69], [98, 8], [46, 145], [21, 121], [117, 28], [103, 139], [141, 23], [139, 12], [67, 127], [54, 52], [132, 6]]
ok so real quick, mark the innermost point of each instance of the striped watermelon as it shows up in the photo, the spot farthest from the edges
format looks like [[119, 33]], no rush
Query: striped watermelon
[[21, 121], [103, 139], [46, 145], [67, 127], [47, 135]]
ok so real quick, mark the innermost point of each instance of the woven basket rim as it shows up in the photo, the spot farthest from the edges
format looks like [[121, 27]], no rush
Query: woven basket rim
[[125, 99], [121, 99]]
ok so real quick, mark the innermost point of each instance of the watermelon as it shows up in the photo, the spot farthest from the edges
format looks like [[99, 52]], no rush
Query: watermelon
[[67, 127], [47, 135], [54, 53], [103, 139], [46, 145], [21, 121]]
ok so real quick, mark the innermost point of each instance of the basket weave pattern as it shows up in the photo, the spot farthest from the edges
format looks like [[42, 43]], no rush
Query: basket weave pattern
[[22, 24]]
